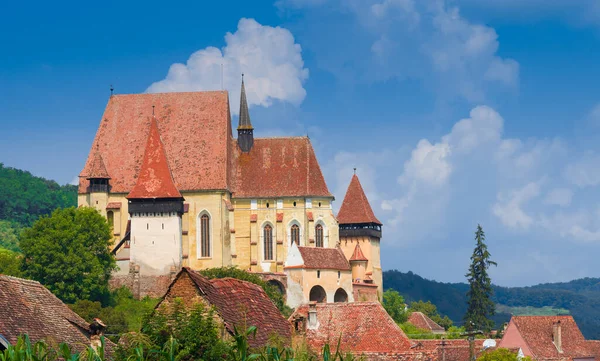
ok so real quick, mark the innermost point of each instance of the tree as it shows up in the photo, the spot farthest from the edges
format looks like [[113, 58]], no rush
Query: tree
[[68, 252], [9, 236], [10, 263], [430, 310], [394, 304], [480, 306], [502, 354]]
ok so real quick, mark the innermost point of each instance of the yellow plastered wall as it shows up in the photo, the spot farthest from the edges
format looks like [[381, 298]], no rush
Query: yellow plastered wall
[[371, 250], [100, 200], [308, 278]]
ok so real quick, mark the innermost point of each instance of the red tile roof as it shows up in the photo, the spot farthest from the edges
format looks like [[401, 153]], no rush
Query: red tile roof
[[362, 326], [279, 167], [420, 320], [154, 179], [113, 205], [27, 307], [195, 128], [355, 208], [324, 258], [358, 254], [537, 332], [97, 168], [240, 303], [449, 350]]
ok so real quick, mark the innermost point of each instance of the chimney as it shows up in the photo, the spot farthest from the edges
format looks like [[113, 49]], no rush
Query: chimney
[[312, 315], [556, 336]]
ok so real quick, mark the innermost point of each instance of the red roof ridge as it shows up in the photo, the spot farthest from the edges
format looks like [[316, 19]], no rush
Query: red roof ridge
[[358, 255], [162, 93], [355, 207], [154, 179]]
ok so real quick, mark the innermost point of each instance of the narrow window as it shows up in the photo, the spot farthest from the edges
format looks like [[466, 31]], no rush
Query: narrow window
[[339, 274], [267, 204], [163, 226], [204, 236], [295, 234], [268, 242], [147, 225], [319, 235], [318, 274], [111, 219], [294, 204]]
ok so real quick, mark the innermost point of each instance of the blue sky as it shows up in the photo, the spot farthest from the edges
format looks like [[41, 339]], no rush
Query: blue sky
[[454, 112]]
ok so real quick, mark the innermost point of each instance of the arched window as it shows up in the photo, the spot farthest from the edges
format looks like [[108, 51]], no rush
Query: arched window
[[317, 293], [110, 216], [340, 296], [319, 235], [205, 246], [268, 242], [295, 234]]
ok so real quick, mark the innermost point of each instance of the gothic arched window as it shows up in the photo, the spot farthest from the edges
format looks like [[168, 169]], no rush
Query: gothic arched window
[[295, 234], [205, 246], [268, 242], [319, 235]]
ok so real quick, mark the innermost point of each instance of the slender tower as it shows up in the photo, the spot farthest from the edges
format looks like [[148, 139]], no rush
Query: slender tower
[[245, 130], [99, 183]]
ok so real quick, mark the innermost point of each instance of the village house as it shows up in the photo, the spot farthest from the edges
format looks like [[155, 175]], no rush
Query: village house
[[237, 303], [423, 322], [27, 307], [180, 191], [545, 338]]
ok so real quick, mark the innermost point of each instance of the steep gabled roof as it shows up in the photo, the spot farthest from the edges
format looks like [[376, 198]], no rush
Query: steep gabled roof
[[537, 332], [155, 179], [97, 168], [27, 307], [355, 208], [244, 119], [358, 255], [278, 167], [360, 327], [195, 129], [241, 304], [422, 321], [324, 258]]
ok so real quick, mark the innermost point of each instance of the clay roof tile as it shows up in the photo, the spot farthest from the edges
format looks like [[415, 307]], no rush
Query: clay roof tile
[[97, 168], [358, 254], [355, 208], [324, 258]]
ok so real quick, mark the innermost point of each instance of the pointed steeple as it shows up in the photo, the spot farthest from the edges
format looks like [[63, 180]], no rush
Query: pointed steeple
[[245, 129], [97, 168], [358, 255], [155, 179], [356, 208]]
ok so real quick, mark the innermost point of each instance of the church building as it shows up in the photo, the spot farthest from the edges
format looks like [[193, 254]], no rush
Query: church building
[[179, 190]]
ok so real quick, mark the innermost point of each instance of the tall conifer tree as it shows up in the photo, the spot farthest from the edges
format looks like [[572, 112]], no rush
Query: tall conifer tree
[[479, 301]]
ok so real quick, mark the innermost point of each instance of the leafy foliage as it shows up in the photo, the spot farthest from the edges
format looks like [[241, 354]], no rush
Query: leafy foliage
[[502, 354], [9, 235], [430, 310], [68, 252], [394, 304], [479, 297], [10, 263], [234, 272], [25, 350], [24, 198]]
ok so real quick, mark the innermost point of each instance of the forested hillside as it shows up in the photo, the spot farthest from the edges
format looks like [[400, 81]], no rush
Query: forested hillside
[[581, 298]]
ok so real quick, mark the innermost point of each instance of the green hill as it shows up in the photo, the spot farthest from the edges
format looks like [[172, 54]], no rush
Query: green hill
[[580, 298]]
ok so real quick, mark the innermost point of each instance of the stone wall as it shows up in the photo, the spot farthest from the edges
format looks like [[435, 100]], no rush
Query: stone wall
[[141, 285]]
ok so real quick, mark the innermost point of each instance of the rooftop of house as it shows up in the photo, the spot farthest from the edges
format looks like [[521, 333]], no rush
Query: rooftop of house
[[355, 208], [195, 129], [422, 321], [359, 327], [358, 254], [241, 304], [324, 258], [538, 334], [27, 307]]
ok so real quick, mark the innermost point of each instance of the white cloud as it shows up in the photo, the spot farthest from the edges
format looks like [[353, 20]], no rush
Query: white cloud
[[509, 208], [584, 172], [559, 196], [268, 56], [428, 163]]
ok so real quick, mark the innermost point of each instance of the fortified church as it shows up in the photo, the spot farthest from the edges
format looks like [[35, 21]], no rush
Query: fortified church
[[180, 191]]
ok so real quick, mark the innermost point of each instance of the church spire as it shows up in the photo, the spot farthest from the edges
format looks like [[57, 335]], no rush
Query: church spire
[[245, 130]]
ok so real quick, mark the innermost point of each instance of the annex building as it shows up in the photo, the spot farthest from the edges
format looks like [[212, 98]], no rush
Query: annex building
[[179, 190]]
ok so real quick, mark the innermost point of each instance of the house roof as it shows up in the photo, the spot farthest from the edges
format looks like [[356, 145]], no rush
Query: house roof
[[27, 307], [537, 332], [240, 303], [154, 179], [449, 350], [355, 208], [324, 258], [360, 327], [277, 167], [358, 255], [422, 321], [195, 129]]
